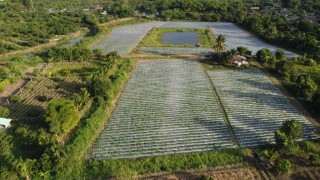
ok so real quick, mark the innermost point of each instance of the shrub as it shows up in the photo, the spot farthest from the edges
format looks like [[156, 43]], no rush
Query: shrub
[[15, 99], [3, 84], [34, 113], [62, 116], [125, 173], [42, 98], [315, 159], [4, 112], [283, 166]]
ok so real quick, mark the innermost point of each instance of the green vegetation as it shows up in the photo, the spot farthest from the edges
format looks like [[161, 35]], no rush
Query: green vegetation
[[288, 134], [154, 37], [62, 116], [4, 112], [172, 163], [283, 166]]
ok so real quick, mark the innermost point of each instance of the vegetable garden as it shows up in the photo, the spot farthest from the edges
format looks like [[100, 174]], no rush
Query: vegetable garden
[[125, 39], [33, 99], [256, 108], [167, 107]]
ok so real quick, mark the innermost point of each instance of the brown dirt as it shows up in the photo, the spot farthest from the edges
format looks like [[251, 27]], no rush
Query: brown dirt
[[223, 173], [115, 21]]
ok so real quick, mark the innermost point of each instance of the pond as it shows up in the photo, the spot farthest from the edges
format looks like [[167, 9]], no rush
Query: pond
[[187, 37], [73, 41]]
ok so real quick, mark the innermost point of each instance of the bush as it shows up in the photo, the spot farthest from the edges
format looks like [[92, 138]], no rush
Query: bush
[[15, 99], [34, 113], [62, 116], [3, 84], [125, 173], [4, 112], [283, 166], [43, 98], [315, 159]]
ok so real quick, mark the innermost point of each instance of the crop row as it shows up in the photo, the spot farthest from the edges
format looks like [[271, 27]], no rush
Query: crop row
[[125, 39], [255, 107], [37, 93], [167, 107]]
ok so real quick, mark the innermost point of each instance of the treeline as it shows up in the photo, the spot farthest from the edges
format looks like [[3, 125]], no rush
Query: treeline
[[21, 28], [205, 10], [302, 36], [300, 84], [42, 149]]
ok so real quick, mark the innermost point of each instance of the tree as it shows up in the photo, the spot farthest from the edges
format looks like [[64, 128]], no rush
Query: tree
[[264, 55], [284, 67], [23, 168], [231, 54], [288, 134], [4, 112], [242, 50], [306, 87], [283, 166], [280, 54], [98, 53], [62, 116], [220, 45]]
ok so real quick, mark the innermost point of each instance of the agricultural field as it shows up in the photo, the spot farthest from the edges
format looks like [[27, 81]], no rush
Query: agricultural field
[[125, 39], [236, 37], [174, 50], [31, 102], [167, 107], [256, 108]]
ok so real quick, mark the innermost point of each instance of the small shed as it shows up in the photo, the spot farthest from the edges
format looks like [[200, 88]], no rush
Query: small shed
[[239, 61], [5, 122]]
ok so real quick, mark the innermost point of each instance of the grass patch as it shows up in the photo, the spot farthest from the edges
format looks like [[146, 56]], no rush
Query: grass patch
[[154, 37], [110, 168]]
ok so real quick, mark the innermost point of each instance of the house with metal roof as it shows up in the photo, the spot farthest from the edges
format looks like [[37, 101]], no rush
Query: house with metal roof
[[5, 123]]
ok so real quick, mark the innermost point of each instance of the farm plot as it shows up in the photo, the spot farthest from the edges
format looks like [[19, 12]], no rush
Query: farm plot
[[174, 50], [125, 39], [167, 107], [35, 96], [256, 108], [236, 37]]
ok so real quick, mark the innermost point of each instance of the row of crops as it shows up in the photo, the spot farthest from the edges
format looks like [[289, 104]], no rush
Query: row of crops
[[167, 107], [34, 98], [125, 39], [256, 108]]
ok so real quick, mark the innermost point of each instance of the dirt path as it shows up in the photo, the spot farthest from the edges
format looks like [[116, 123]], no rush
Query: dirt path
[[42, 46], [114, 21], [224, 172]]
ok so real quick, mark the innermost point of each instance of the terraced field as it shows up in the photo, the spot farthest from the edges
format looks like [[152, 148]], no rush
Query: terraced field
[[167, 107], [255, 107]]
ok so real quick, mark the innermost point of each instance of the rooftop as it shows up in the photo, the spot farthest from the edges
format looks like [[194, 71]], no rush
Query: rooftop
[[5, 122]]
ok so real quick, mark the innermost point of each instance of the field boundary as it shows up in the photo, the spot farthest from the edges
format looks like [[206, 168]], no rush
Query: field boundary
[[225, 115]]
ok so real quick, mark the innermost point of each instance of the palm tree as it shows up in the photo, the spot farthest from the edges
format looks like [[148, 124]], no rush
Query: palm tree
[[220, 45]]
